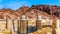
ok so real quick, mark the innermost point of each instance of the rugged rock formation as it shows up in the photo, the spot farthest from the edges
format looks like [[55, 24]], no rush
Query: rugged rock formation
[[52, 10], [35, 10]]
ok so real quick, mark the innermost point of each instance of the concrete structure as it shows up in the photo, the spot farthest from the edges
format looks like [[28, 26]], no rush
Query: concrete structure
[[22, 24]]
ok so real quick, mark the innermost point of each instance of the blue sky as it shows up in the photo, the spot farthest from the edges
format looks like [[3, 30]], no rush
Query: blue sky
[[15, 4]]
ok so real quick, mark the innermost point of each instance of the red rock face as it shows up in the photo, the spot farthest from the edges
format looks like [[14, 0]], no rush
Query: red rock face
[[32, 12], [52, 10]]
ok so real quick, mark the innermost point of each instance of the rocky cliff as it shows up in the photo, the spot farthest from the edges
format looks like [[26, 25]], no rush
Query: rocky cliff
[[52, 10], [34, 10]]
